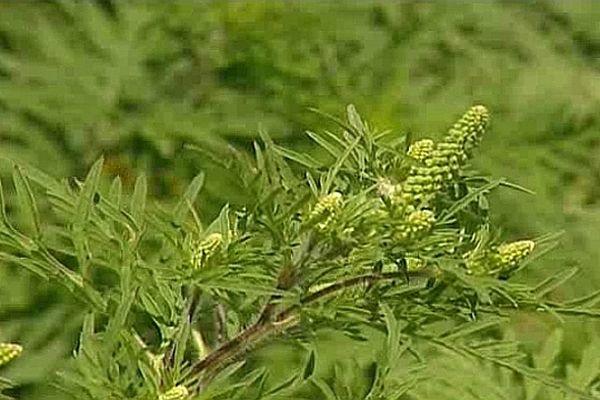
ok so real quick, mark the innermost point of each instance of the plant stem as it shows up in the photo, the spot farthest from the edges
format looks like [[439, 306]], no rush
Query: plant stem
[[261, 328]]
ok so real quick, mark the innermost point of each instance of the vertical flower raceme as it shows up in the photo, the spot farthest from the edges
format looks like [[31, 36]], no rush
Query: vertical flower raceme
[[8, 352], [205, 249], [176, 393], [441, 163], [325, 211], [469, 129]]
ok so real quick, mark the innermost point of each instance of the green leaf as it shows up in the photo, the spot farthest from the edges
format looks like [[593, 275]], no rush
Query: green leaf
[[466, 329], [221, 224], [309, 366], [523, 370], [332, 173], [461, 204], [324, 388], [555, 281], [334, 150], [586, 301], [355, 120], [188, 199], [544, 361], [283, 386], [303, 159], [115, 192], [85, 201], [138, 200], [27, 199]]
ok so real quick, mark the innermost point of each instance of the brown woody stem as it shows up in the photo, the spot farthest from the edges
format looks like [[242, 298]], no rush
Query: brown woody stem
[[262, 328]]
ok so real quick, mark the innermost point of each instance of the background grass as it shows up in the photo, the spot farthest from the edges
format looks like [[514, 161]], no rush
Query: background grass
[[135, 81]]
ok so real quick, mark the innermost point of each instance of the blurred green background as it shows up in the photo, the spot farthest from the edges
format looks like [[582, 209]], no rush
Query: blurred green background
[[137, 80]]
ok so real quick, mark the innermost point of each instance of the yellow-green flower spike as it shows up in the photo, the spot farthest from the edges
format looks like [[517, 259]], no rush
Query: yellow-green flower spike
[[176, 393], [8, 352], [418, 223], [325, 210], [441, 164], [509, 255], [206, 249], [421, 149], [469, 129]]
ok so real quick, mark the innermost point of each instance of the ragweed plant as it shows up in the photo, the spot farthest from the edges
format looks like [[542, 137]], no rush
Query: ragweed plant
[[384, 234]]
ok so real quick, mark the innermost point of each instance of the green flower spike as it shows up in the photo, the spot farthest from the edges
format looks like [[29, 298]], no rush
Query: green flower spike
[[8, 352], [417, 224], [442, 164], [325, 210], [421, 149], [175, 393], [206, 249], [509, 255], [469, 129]]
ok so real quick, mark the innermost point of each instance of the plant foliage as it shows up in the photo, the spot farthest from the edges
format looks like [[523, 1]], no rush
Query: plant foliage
[[383, 234]]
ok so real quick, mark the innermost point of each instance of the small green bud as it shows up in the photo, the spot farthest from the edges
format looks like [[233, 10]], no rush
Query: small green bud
[[176, 393], [509, 255], [421, 149], [8, 352], [206, 249]]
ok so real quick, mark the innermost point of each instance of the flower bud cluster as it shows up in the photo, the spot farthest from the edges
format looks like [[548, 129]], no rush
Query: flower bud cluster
[[509, 255], [205, 249], [469, 129], [8, 352], [417, 224], [505, 257], [176, 393], [440, 164], [326, 210], [421, 149]]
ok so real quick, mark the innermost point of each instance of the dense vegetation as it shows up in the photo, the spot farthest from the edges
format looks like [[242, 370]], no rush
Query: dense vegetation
[[136, 81]]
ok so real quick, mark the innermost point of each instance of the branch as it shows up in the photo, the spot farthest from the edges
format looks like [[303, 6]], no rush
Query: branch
[[285, 319]]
